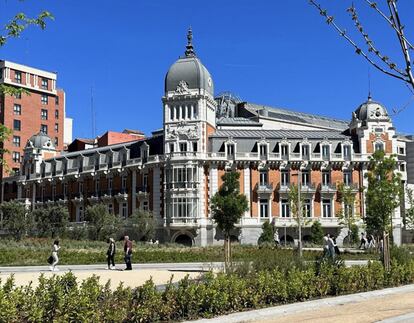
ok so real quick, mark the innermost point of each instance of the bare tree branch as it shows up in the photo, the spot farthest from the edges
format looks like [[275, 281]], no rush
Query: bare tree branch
[[358, 50], [387, 19]]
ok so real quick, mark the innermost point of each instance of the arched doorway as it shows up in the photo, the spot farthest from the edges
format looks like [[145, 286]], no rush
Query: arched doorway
[[184, 240]]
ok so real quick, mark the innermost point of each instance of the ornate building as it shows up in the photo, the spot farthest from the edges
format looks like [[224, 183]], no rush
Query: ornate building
[[175, 172]]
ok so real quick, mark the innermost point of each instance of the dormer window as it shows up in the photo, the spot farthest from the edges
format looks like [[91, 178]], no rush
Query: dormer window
[[305, 152], [284, 152], [326, 152], [230, 150], [263, 151], [379, 146], [347, 152]]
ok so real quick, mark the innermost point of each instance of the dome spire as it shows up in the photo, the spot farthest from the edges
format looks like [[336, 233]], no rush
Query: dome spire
[[189, 52]]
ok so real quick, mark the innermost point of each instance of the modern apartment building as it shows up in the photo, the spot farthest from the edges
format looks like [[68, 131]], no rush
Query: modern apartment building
[[175, 172], [39, 109]]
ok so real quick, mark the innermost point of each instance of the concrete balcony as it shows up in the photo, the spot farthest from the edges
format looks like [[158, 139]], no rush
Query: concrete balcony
[[284, 188], [308, 188], [73, 171], [88, 169], [295, 157], [134, 162], [142, 192], [121, 195], [274, 156], [182, 221], [329, 188], [264, 189], [216, 156]]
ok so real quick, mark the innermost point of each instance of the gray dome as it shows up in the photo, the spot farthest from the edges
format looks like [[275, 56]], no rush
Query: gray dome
[[189, 72], [40, 141], [371, 110]]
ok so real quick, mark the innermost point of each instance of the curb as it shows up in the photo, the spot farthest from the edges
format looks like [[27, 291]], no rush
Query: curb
[[283, 310]]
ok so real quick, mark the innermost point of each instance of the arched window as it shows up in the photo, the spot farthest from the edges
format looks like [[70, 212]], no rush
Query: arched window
[[379, 146]]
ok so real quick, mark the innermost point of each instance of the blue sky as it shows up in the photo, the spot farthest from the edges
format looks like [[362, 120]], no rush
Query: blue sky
[[278, 53]]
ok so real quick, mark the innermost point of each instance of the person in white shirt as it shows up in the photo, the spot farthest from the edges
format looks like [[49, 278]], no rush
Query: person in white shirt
[[55, 250]]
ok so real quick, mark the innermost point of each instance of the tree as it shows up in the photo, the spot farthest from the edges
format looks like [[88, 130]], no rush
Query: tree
[[51, 221], [227, 208], [389, 14], [13, 29], [409, 212], [142, 225], [101, 222], [346, 196], [316, 233], [16, 219], [267, 235], [297, 203], [382, 197]]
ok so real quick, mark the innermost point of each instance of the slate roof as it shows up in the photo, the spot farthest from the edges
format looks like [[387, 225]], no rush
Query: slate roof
[[280, 134], [237, 121], [298, 117]]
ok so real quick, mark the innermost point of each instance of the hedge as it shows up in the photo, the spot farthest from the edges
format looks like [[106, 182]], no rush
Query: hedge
[[64, 299]]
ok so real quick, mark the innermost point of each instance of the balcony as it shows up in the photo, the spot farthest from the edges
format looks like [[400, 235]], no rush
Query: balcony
[[134, 162], [295, 157], [284, 187], [308, 188], [274, 156], [328, 188], [73, 171], [88, 168], [217, 156], [142, 192], [337, 157], [182, 221], [264, 189], [116, 164], [121, 195]]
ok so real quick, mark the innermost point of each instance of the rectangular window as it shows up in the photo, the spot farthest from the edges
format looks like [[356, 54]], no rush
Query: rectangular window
[[56, 114], [326, 178], [16, 171], [379, 146], [195, 112], [263, 177], [305, 152], [79, 215], [56, 141], [124, 210], [145, 206], [18, 95], [110, 208], [110, 181], [145, 181], [284, 178], [326, 208], [195, 147], [263, 150], [44, 99], [16, 157], [264, 208], [56, 127], [80, 187], [123, 182], [307, 208], [285, 152], [347, 178], [347, 152], [43, 129], [305, 178], [16, 141], [45, 84], [18, 77], [17, 125], [183, 146], [17, 109], [56, 100], [171, 148], [401, 151], [171, 113], [402, 167], [65, 189], [326, 152], [43, 114], [285, 208], [230, 150]]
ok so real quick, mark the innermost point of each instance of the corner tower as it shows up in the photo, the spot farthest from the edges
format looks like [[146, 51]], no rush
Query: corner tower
[[189, 118]]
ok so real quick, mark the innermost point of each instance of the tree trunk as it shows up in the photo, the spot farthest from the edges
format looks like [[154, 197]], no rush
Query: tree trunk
[[386, 251]]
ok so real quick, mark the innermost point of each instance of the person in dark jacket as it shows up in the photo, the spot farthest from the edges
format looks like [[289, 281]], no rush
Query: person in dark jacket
[[128, 252], [110, 253]]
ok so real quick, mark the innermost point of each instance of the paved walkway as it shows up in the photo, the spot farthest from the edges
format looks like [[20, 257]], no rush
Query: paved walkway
[[387, 305]]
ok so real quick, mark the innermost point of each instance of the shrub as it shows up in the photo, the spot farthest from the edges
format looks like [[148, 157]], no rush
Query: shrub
[[316, 233], [267, 235]]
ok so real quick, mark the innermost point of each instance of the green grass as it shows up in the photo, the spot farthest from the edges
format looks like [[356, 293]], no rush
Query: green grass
[[35, 251]]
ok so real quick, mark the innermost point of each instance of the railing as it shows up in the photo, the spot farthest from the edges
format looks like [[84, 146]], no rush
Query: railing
[[183, 220], [135, 161], [264, 188], [295, 156], [73, 170], [308, 187], [217, 155], [316, 156], [273, 156], [328, 187], [116, 164], [88, 168]]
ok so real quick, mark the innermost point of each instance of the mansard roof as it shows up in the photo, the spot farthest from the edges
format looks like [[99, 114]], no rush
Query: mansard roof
[[280, 134], [237, 121], [295, 117]]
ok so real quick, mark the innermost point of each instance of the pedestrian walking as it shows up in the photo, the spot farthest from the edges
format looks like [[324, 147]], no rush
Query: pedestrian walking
[[336, 248], [276, 237], [371, 242], [363, 243], [128, 253], [325, 245], [331, 247], [111, 253], [55, 257]]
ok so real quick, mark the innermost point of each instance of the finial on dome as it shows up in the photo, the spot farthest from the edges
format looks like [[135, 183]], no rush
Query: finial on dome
[[189, 52]]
